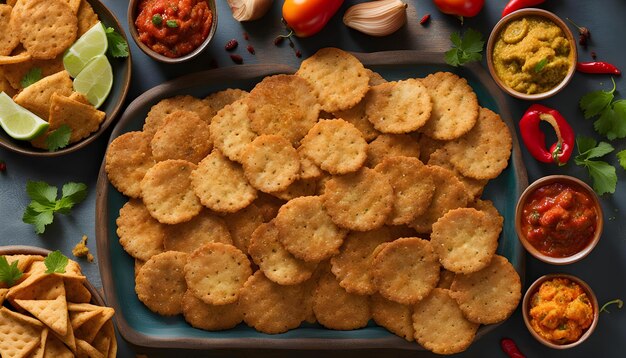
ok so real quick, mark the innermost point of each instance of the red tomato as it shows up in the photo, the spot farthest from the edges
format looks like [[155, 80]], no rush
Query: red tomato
[[308, 17], [464, 8]]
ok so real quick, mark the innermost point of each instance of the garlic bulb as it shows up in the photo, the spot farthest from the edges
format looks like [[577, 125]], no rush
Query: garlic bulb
[[376, 18], [246, 10]]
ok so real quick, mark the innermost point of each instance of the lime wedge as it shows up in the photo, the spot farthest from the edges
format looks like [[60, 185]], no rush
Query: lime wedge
[[18, 122], [93, 43], [95, 80]]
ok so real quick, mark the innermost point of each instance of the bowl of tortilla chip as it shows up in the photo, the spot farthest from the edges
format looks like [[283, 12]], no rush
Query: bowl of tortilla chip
[[34, 75]]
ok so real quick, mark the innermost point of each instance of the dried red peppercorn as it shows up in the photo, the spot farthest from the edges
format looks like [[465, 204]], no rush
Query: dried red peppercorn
[[584, 35], [250, 49], [298, 54], [3, 166], [231, 45], [278, 40], [425, 19], [236, 59]]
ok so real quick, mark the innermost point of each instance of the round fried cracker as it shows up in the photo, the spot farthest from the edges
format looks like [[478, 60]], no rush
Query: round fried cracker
[[9, 37], [352, 264], [427, 146], [489, 295], [216, 272], [441, 158], [127, 161], [230, 130], [455, 106], [488, 208], [440, 326], [374, 78], [395, 317], [167, 106], [465, 240], [221, 184], [356, 116], [335, 308], [359, 201], [335, 146], [268, 206], [167, 193], [183, 135], [274, 260], [160, 283], [482, 153], [218, 100], [405, 270], [140, 234], [282, 105], [398, 107], [413, 188], [46, 27], [272, 308], [270, 163], [299, 188], [307, 231], [242, 224], [445, 278], [339, 80], [210, 317], [308, 169], [391, 145], [199, 231]]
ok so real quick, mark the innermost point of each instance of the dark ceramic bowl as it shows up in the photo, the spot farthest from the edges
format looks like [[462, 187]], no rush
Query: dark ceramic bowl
[[132, 15], [112, 105], [517, 15], [577, 183], [535, 287]]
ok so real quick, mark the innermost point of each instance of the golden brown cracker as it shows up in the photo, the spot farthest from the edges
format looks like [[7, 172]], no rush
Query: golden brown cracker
[[488, 208], [391, 145], [441, 158], [218, 100], [210, 317], [405, 270], [395, 317], [231, 131], [455, 106], [374, 78], [242, 224], [127, 161], [302, 187], [14, 73], [167, 106], [167, 192], [359, 201], [161, 284], [338, 79], [307, 231], [221, 184], [489, 295], [202, 229], [268, 206], [9, 37], [335, 308], [37, 97], [183, 135], [308, 168], [445, 278], [270, 163], [52, 313], [87, 17], [357, 117], [427, 146], [19, 334], [140, 234]]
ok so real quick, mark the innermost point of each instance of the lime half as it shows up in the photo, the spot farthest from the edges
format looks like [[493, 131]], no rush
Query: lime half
[[93, 43], [18, 122], [95, 80]]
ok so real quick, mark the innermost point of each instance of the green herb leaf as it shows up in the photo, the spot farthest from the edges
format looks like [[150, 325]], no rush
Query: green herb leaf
[[118, 47], [602, 173], [40, 212], [171, 23], [621, 157], [41, 192], [540, 65], [9, 274], [59, 138], [31, 77], [39, 219], [157, 19], [601, 150], [617, 302], [595, 102], [465, 49], [56, 262], [73, 193]]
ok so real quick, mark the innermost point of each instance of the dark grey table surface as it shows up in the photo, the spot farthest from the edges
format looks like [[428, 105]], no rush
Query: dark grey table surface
[[603, 269]]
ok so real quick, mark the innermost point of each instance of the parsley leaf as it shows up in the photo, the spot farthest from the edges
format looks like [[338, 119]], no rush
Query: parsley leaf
[[602, 173], [540, 65], [118, 47], [621, 157], [594, 103], [31, 77], [56, 262], [465, 49], [40, 211], [59, 138], [9, 274]]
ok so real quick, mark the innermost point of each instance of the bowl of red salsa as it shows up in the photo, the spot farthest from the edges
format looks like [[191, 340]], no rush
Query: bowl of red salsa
[[559, 219], [172, 31]]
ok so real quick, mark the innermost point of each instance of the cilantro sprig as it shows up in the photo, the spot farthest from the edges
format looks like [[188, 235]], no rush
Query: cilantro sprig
[[9, 274], [465, 49], [118, 47], [55, 262], [40, 212], [611, 121], [59, 138], [602, 173], [32, 76]]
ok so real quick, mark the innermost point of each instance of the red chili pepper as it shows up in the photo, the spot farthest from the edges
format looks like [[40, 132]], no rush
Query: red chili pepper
[[308, 17], [510, 348], [462, 8], [515, 5], [425, 19], [535, 139], [598, 67]]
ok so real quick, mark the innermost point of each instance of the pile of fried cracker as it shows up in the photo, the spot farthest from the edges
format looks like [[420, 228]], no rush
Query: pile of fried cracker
[[50, 315], [35, 34], [329, 196]]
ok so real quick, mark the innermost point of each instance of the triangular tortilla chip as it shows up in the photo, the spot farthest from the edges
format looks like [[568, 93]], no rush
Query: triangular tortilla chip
[[23, 261], [56, 349], [76, 290], [108, 331], [86, 349], [77, 319], [14, 73], [19, 334], [88, 330], [79, 97], [52, 313], [69, 339], [102, 343], [38, 96], [38, 287], [38, 353]]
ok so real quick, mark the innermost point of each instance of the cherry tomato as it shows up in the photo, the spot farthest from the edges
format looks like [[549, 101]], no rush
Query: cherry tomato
[[464, 8], [308, 17]]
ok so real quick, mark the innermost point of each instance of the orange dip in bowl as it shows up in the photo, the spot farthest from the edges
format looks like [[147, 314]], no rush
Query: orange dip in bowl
[[173, 28]]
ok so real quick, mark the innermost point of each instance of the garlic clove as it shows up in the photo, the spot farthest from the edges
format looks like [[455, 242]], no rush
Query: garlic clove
[[376, 18], [247, 10]]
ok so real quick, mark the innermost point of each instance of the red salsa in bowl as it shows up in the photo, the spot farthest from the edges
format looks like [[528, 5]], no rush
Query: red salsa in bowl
[[557, 218], [173, 28]]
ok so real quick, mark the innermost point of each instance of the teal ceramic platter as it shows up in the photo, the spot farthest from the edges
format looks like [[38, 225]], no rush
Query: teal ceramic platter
[[141, 327]]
